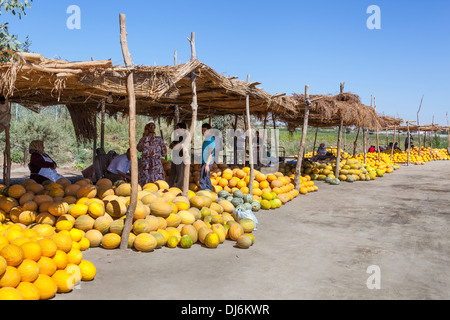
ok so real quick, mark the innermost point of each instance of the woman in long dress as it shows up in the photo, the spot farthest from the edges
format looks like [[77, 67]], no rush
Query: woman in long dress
[[153, 149]]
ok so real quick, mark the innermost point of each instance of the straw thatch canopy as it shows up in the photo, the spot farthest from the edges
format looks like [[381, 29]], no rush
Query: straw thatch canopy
[[423, 128], [328, 110], [32, 80]]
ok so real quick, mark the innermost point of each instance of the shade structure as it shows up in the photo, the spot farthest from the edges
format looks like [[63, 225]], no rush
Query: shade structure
[[34, 81]]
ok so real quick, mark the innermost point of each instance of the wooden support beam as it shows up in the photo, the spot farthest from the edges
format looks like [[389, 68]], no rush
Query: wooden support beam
[[102, 124], [7, 152], [393, 143], [431, 138], [194, 107], [132, 135], [338, 154], [448, 133], [355, 144], [298, 169], [315, 141], [378, 136], [409, 143], [250, 140], [193, 50], [418, 125]]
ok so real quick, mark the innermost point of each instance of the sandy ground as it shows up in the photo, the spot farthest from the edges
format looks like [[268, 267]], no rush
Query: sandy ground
[[318, 246]]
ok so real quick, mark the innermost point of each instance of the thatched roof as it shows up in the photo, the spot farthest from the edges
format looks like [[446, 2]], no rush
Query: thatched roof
[[424, 128], [33, 80], [328, 110]]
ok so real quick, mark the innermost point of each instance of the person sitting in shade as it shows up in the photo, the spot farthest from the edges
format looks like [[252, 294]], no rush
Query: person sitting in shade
[[119, 168], [41, 166], [322, 153]]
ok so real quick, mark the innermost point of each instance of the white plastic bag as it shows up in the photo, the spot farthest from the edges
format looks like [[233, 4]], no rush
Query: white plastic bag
[[241, 213]]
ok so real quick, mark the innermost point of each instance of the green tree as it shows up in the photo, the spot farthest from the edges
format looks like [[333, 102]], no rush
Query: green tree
[[7, 40]]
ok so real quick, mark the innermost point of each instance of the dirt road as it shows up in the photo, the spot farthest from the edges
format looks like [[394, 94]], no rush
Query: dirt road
[[318, 246]]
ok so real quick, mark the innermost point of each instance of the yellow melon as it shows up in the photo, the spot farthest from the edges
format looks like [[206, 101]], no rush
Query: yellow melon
[[60, 259], [161, 209], [96, 209], [35, 188], [46, 286], [212, 240], [64, 281], [13, 254], [102, 224], [47, 266], [16, 191], [40, 199], [235, 231], [29, 291], [63, 242], [10, 294], [31, 250], [10, 278], [87, 191], [29, 270], [48, 248], [84, 223], [111, 241], [145, 242], [95, 237], [173, 220], [117, 226], [58, 208]]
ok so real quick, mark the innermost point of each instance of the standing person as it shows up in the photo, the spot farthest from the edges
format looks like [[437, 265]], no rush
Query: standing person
[[177, 168], [408, 142], [153, 149], [42, 167], [119, 167], [208, 153]]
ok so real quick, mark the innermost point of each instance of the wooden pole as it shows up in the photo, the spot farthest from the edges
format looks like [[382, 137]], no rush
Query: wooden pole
[[94, 153], [448, 133], [102, 125], [177, 109], [315, 141], [378, 137], [7, 153], [235, 140], [194, 107], [409, 143], [250, 140], [132, 133], [418, 127], [298, 169], [393, 143], [431, 138], [338, 153], [365, 144], [355, 144]]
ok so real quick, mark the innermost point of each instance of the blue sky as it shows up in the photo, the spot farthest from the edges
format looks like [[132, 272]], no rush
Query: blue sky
[[282, 44]]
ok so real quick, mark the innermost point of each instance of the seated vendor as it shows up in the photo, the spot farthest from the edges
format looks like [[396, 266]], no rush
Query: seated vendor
[[42, 167]]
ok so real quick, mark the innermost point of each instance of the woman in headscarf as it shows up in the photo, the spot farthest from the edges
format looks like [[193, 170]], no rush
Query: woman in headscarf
[[153, 149], [42, 167]]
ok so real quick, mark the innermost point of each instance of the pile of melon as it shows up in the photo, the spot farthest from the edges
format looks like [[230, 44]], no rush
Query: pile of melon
[[37, 263], [162, 217]]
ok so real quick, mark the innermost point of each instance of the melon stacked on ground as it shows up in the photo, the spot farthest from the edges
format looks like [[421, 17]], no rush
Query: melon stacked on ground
[[162, 217], [351, 169], [425, 155], [37, 263]]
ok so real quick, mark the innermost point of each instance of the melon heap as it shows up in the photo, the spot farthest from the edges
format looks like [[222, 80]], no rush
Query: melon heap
[[96, 214], [425, 155], [351, 169], [37, 262]]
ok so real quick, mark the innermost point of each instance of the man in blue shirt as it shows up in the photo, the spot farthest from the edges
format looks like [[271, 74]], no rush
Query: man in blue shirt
[[208, 153]]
